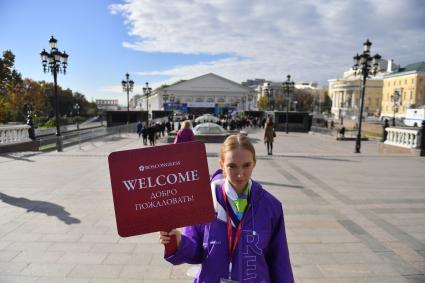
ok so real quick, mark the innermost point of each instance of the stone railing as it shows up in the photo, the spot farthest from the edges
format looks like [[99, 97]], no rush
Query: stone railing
[[14, 134], [403, 137]]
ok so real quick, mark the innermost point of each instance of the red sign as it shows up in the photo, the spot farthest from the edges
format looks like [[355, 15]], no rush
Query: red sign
[[160, 188]]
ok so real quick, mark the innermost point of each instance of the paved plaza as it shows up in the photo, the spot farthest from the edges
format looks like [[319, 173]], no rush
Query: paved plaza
[[349, 217]]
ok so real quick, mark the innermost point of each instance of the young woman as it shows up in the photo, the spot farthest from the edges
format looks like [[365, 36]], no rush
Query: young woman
[[247, 241], [269, 135], [185, 133]]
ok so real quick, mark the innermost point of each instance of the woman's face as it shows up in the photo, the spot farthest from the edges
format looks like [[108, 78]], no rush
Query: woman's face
[[237, 166]]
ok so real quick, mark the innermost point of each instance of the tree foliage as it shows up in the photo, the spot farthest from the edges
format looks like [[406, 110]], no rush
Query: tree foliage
[[262, 103], [16, 92]]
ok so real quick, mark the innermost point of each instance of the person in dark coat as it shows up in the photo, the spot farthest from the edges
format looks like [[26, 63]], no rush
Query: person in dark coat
[[145, 135], [139, 128], [269, 135], [151, 134]]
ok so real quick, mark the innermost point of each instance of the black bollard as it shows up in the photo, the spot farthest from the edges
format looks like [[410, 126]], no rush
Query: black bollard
[[384, 132]]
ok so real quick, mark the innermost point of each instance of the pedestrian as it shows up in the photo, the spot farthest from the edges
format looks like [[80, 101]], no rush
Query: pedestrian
[[269, 135], [246, 242], [151, 134], [139, 128], [145, 134], [185, 133]]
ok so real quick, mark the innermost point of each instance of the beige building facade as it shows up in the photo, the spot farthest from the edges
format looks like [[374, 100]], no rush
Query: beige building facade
[[407, 82], [345, 92]]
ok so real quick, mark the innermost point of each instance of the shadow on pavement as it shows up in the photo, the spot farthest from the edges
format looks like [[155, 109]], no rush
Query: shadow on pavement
[[266, 157], [322, 158], [280, 185], [20, 158], [48, 208]]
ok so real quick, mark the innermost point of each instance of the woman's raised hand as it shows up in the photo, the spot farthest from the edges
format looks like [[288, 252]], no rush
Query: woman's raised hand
[[165, 237]]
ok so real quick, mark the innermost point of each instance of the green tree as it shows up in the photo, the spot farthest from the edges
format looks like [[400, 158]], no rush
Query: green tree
[[262, 103], [9, 77]]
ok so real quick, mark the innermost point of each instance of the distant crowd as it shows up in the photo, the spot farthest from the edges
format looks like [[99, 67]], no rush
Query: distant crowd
[[157, 129]]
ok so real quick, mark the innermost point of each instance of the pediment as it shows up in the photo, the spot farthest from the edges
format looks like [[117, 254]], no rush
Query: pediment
[[208, 83]]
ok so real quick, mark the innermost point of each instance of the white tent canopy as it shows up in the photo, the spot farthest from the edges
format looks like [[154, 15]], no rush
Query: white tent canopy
[[207, 118]]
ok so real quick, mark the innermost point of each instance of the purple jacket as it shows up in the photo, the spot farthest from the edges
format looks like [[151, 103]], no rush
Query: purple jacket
[[184, 135], [262, 253]]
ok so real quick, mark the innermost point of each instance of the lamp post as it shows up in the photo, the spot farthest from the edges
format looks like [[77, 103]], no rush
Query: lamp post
[[395, 98], [147, 91], [295, 105], [77, 108], [364, 65], [55, 62], [165, 98], [127, 86], [287, 86], [250, 96]]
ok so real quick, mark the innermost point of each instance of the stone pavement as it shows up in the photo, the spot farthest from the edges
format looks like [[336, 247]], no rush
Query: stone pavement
[[349, 218]]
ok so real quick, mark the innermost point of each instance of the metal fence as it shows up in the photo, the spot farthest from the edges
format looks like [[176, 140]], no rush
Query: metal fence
[[83, 135]]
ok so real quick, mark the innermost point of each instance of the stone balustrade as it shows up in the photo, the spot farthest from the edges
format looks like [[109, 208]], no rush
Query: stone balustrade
[[403, 137], [14, 134]]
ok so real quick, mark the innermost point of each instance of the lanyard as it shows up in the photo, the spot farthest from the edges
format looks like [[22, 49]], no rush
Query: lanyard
[[232, 245]]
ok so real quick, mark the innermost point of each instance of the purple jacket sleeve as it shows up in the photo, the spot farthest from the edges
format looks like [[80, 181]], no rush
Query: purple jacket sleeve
[[278, 254], [191, 248], [177, 138]]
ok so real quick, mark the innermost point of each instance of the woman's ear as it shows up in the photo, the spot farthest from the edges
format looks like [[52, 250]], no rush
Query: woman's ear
[[220, 163]]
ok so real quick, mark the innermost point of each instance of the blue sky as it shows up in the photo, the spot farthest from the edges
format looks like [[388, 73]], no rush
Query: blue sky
[[164, 41]]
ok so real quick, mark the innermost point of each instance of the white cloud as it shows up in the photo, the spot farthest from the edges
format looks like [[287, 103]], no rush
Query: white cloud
[[309, 39]]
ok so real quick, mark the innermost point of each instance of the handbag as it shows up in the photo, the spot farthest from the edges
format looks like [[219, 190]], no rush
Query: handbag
[[274, 134]]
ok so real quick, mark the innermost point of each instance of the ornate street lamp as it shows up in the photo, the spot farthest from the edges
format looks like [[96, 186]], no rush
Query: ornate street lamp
[[165, 98], [250, 97], [243, 99], [269, 94], [127, 86], [364, 65], [55, 62], [287, 87], [395, 98], [147, 91]]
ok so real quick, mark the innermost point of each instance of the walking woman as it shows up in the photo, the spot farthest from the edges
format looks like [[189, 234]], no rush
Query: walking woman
[[185, 133], [269, 135], [247, 241]]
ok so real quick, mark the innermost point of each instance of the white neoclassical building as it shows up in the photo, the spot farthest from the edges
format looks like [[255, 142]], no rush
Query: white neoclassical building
[[208, 93]]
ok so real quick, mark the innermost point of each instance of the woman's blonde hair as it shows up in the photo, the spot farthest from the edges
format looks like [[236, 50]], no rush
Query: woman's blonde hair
[[237, 141], [186, 124]]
